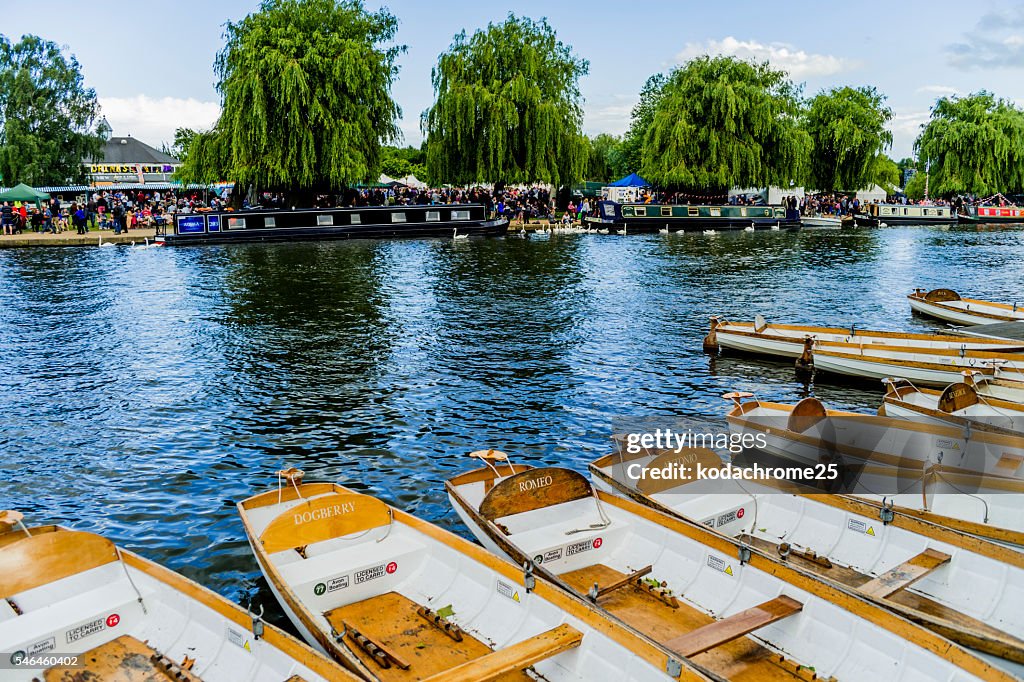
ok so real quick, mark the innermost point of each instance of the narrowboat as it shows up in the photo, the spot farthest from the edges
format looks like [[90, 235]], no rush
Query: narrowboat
[[880, 215], [992, 214], [636, 218], [265, 224]]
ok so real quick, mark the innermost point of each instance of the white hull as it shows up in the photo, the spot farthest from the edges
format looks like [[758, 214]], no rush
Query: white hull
[[822, 223], [954, 316], [877, 368]]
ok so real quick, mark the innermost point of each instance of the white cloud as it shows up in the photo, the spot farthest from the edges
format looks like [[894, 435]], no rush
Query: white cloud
[[905, 127], [610, 115], [991, 44], [939, 90], [153, 119], [798, 63]]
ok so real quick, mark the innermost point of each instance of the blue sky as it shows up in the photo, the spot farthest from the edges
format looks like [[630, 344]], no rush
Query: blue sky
[[151, 63]]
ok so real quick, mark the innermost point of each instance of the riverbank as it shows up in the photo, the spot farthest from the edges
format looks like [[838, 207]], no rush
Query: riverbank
[[71, 238]]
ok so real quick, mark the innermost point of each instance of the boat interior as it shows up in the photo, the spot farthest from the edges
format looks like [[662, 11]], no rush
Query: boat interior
[[410, 601], [72, 592], [730, 618]]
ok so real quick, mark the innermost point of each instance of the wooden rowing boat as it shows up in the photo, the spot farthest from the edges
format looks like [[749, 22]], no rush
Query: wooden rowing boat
[[731, 607], [393, 597], [947, 305], [931, 367], [958, 404], [788, 340], [808, 431], [1001, 389], [913, 567], [103, 613]]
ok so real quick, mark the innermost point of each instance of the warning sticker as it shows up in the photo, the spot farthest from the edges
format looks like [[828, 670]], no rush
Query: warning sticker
[[506, 590], [719, 564], [239, 639], [86, 629], [859, 526], [550, 555], [368, 574]]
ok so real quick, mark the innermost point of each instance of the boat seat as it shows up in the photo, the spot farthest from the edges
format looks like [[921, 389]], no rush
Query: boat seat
[[124, 659], [41, 559], [806, 414], [392, 620], [735, 626], [324, 518], [904, 575], [515, 657]]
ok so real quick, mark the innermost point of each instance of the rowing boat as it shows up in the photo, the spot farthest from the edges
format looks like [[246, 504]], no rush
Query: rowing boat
[[822, 222], [913, 567], [788, 340], [76, 607], [1001, 389], [928, 366], [947, 305], [958, 404], [393, 597], [729, 606], [809, 432]]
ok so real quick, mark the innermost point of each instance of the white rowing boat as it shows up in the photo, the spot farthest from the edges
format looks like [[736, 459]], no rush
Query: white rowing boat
[[393, 597], [947, 305], [931, 367], [915, 568], [788, 340], [1001, 389], [76, 607], [958, 404], [821, 222], [732, 608]]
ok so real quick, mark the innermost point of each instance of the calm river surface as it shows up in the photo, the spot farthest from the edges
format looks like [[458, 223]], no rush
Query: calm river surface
[[145, 392]]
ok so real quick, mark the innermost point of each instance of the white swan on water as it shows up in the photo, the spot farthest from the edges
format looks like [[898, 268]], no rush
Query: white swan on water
[[456, 235], [710, 232], [102, 243]]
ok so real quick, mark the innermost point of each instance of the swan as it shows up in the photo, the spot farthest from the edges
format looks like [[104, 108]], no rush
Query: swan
[[102, 243], [775, 226], [710, 232], [664, 230], [146, 245], [749, 228], [456, 235]]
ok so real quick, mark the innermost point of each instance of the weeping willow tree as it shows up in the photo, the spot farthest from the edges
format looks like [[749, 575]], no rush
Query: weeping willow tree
[[507, 108], [306, 98], [722, 122], [847, 127], [973, 144]]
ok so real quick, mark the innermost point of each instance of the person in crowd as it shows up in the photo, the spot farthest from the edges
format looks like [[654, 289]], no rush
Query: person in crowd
[[7, 218]]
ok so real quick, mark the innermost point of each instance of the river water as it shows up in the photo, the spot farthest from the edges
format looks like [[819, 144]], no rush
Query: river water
[[145, 392]]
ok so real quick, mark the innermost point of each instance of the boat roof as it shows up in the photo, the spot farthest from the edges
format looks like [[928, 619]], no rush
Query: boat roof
[[999, 330]]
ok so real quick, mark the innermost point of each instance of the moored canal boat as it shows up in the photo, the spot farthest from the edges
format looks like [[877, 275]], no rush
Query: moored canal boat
[[637, 218], [879, 215], [263, 224], [984, 215]]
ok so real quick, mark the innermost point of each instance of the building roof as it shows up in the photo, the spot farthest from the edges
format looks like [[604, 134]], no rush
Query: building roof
[[128, 150]]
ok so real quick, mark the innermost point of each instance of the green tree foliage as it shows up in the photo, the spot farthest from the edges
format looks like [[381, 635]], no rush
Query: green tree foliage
[[640, 123], [973, 144], [605, 161], [507, 107], [884, 172], [722, 122], [48, 118], [847, 127], [397, 162], [182, 141], [915, 186], [306, 94]]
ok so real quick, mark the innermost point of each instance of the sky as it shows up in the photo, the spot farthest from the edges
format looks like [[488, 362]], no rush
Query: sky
[[151, 64]]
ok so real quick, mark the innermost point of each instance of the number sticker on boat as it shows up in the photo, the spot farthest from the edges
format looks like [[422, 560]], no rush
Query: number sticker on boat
[[859, 526], [85, 629], [719, 564], [506, 590], [368, 574]]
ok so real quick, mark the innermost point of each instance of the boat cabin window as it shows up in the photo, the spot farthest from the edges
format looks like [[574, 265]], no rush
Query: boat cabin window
[[324, 219], [925, 211], [236, 223], [692, 211], [906, 211], [460, 215], [666, 211], [433, 216], [269, 221], [641, 211], [398, 217], [355, 219], [716, 211]]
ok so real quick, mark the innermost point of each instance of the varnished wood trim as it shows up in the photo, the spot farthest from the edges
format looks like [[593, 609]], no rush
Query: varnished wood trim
[[514, 657]]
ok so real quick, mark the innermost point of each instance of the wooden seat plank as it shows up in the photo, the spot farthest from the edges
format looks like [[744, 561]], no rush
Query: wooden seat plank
[[733, 627], [904, 575], [518, 656], [124, 659], [392, 620]]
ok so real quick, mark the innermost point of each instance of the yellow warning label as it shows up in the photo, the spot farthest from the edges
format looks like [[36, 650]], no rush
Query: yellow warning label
[[515, 596], [871, 530], [728, 570], [247, 647]]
